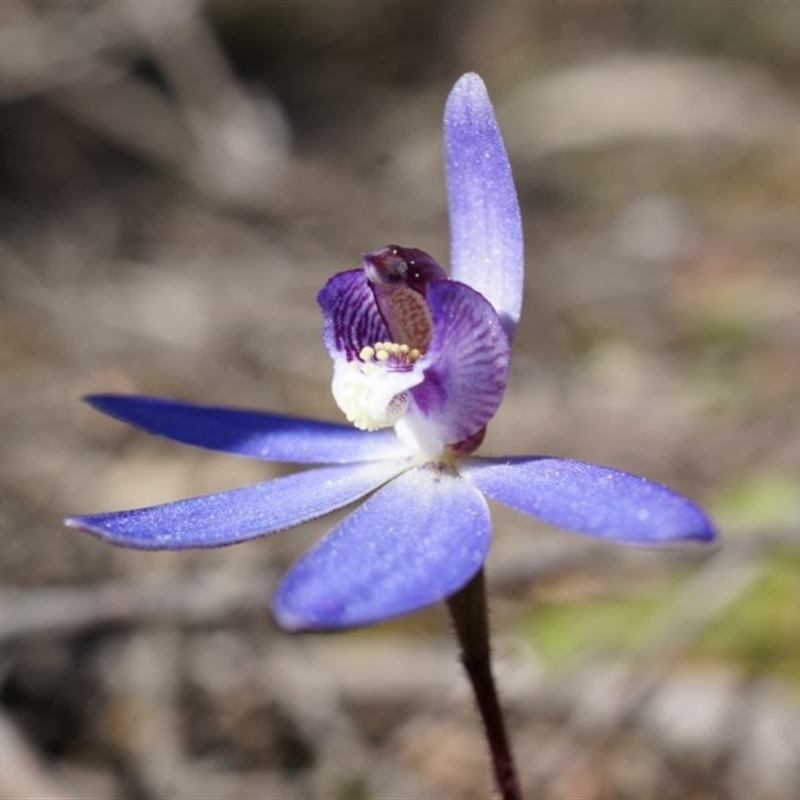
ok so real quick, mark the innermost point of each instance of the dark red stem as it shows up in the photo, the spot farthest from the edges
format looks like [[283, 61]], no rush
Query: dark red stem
[[469, 611]]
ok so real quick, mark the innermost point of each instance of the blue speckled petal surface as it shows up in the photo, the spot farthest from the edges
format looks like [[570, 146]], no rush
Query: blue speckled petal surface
[[416, 541], [590, 499], [257, 434], [237, 515], [486, 244]]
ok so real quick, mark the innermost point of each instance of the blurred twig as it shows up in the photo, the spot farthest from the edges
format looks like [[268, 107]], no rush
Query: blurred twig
[[241, 141], [201, 598], [229, 144]]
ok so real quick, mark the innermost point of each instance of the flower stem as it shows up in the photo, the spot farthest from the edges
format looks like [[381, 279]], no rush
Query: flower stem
[[469, 611]]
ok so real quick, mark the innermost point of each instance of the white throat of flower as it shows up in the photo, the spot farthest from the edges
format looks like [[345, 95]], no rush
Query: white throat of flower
[[372, 390]]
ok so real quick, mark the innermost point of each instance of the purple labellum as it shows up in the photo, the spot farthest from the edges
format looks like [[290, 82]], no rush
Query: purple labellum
[[440, 376]]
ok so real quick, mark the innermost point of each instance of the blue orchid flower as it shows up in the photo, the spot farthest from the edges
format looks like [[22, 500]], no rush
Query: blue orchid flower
[[420, 364]]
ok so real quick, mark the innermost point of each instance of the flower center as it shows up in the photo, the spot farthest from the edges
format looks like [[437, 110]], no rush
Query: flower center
[[372, 390], [380, 334]]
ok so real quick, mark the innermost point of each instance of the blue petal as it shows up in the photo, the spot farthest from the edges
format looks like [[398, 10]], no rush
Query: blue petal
[[466, 368], [485, 224], [239, 514], [416, 541], [591, 499], [272, 437]]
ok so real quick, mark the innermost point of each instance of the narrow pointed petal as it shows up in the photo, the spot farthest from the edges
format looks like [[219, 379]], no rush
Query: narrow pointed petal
[[272, 437], [416, 541], [237, 515], [485, 224], [591, 499]]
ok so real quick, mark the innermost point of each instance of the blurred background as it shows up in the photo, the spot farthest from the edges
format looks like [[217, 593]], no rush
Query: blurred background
[[177, 180]]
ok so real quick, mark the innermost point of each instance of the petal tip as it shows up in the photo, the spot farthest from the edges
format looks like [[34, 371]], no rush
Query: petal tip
[[101, 399], [95, 400], [468, 93], [694, 526], [706, 535], [288, 622], [293, 619], [469, 82]]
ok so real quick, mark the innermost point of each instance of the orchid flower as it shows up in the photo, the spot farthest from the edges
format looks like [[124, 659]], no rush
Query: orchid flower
[[420, 366]]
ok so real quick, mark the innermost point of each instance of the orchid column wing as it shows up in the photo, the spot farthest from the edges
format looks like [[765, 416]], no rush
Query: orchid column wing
[[485, 223], [590, 499], [237, 515], [272, 437], [416, 541]]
